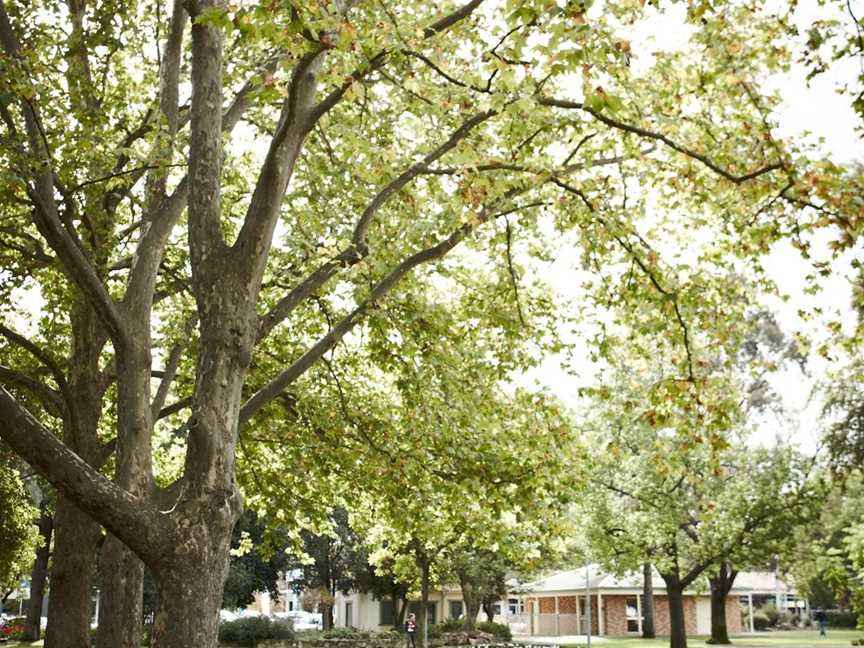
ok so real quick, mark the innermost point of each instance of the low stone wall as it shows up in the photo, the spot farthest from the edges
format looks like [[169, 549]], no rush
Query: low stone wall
[[333, 643], [449, 639]]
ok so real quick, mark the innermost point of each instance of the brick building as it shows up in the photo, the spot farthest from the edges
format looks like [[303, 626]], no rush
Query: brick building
[[559, 605]]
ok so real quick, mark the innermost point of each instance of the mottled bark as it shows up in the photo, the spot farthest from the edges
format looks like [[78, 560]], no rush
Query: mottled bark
[[648, 631], [190, 596], [38, 574], [72, 574], [121, 596], [76, 533], [721, 582]]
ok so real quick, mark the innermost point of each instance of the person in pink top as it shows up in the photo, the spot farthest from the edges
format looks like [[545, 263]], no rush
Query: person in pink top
[[411, 630]]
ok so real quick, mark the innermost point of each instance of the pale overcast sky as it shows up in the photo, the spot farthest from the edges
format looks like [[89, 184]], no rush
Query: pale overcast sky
[[816, 108]]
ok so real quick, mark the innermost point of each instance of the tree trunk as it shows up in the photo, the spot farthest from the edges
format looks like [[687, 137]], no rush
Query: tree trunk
[[721, 583], [76, 537], [471, 600], [76, 534], [489, 609], [189, 599], [677, 625], [121, 618], [33, 628], [400, 607], [647, 602], [423, 616], [327, 615], [121, 596]]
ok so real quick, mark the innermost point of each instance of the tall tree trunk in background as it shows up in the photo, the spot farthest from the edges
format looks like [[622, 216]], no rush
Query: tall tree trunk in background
[[677, 624], [721, 583], [33, 628], [76, 534], [400, 607], [121, 596], [648, 631], [422, 615], [471, 600], [72, 575], [489, 609]]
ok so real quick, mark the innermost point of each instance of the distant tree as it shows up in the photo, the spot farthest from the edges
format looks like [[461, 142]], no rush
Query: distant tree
[[830, 551], [19, 536], [482, 577], [256, 564], [336, 558]]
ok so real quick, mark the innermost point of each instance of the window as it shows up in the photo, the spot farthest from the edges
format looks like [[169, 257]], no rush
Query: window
[[455, 609], [385, 609], [496, 609], [634, 616], [515, 606]]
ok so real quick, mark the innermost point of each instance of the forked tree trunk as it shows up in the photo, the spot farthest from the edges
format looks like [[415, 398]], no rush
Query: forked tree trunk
[[72, 574], [190, 579], [648, 631], [121, 597], [33, 628], [189, 599], [721, 582], [471, 600], [677, 624]]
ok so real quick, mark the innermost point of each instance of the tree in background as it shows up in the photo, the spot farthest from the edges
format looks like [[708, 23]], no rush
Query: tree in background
[[258, 561], [19, 538], [482, 574], [830, 551], [681, 488], [43, 499], [332, 561]]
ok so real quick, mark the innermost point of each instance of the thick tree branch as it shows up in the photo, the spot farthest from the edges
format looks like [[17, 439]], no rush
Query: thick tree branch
[[253, 243], [328, 341], [358, 248], [451, 19], [50, 398], [131, 519]]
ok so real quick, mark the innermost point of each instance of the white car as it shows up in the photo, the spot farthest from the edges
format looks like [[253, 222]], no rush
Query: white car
[[302, 620]]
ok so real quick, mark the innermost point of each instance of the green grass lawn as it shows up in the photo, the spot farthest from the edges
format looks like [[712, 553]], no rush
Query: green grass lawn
[[791, 638]]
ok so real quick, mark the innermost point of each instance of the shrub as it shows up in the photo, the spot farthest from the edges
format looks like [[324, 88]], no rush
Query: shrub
[[770, 610], [452, 625], [14, 628], [761, 621], [346, 633], [247, 630], [498, 630], [838, 619]]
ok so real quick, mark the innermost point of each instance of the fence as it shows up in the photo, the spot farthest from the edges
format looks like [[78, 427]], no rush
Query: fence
[[546, 625]]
